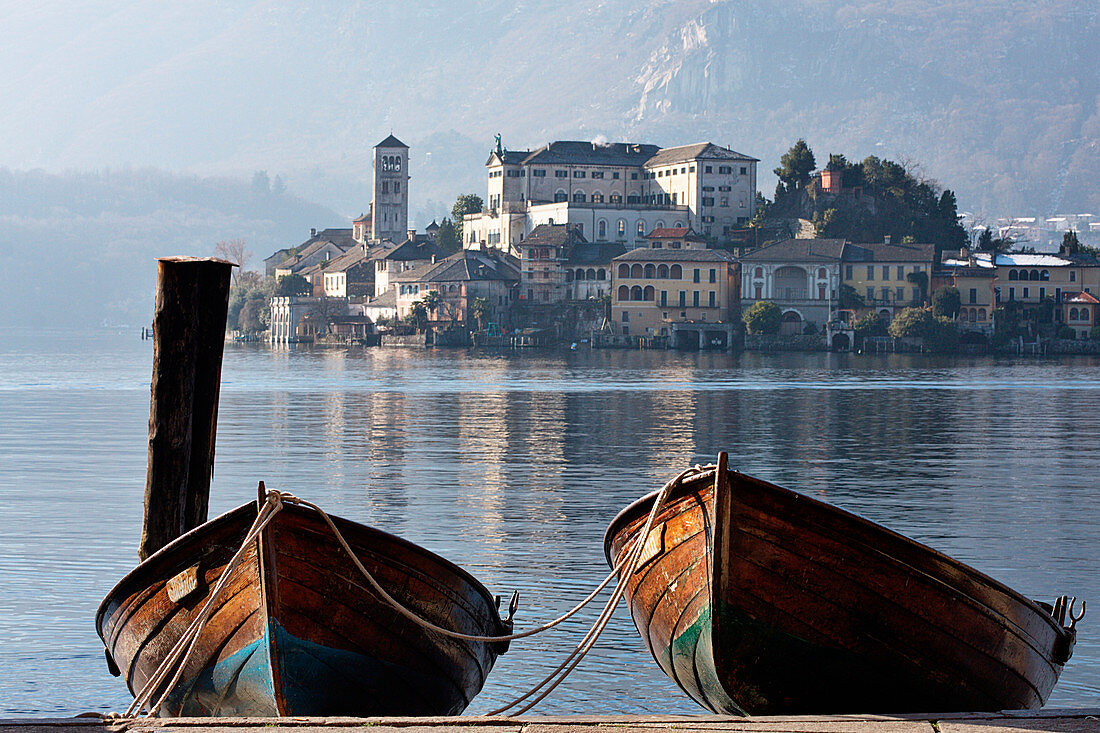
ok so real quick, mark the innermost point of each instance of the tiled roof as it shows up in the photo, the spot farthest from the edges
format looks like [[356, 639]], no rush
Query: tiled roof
[[647, 254], [798, 250], [554, 235], [595, 254], [412, 249], [461, 266], [882, 252], [589, 153], [391, 142], [1080, 297], [696, 151], [674, 233]]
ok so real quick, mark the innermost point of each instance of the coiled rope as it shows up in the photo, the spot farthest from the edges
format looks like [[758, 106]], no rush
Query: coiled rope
[[274, 502]]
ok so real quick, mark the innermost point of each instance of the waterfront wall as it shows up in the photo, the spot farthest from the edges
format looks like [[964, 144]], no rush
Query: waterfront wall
[[775, 342]]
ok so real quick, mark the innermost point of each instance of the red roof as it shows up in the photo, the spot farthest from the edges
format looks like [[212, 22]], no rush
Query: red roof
[[1081, 297], [671, 233]]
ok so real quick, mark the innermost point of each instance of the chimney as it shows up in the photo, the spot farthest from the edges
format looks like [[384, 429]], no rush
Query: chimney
[[312, 233], [886, 239], [433, 259]]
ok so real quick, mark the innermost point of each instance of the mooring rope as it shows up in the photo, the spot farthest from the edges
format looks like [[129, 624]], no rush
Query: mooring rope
[[625, 568], [177, 658]]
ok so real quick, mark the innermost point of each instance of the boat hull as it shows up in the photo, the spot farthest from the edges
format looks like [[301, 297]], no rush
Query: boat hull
[[758, 600], [297, 630]]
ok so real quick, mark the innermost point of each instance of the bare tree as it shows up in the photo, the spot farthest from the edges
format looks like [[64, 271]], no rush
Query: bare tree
[[233, 250]]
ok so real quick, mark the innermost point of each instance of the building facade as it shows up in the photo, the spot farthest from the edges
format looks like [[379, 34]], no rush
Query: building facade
[[390, 206], [801, 276], [615, 192], [887, 276]]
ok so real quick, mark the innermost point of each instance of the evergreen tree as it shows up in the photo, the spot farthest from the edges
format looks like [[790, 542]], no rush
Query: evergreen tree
[[795, 167]]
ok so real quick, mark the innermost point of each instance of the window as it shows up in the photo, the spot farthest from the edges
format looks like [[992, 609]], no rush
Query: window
[[616, 198], [633, 176], [615, 175], [706, 169], [725, 169], [626, 317], [1073, 276], [560, 196], [694, 298], [900, 293], [622, 227], [578, 197], [901, 273], [1026, 292], [886, 272], [713, 275], [664, 300], [597, 174], [683, 299], [1012, 293], [514, 174], [397, 186], [539, 173], [711, 299], [871, 272], [695, 276], [579, 174], [640, 228], [597, 198], [847, 272], [675, 273], [624, 291], [725, 201], [601, 229], [385, 186], [561, 174], [626, 330], [707, 200], [886, 294], [870, 293], [650, 272], [1042, 293], [744, 170], [636, 271]]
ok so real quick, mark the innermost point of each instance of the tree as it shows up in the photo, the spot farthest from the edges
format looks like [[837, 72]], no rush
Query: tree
[[233, 250], [985, 241], [447, 238], [763, 317], [480, 310], [849, 299], [432, 300], [278, 186], [254, 316], [911, 322], [795, 167], [920, 279], [418, 315], [946, 301], [868, 325], [261, 184], [466, 203], [293, 285]]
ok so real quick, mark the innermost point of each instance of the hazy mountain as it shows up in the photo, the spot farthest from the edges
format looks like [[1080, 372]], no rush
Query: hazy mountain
[[81, 249], [996, 99]]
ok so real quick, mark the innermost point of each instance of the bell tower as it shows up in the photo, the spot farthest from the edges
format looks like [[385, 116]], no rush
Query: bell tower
[[390, 210]]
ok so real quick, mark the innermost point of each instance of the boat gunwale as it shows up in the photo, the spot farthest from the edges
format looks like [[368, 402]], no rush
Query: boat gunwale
[[639, 508], [149, 566]]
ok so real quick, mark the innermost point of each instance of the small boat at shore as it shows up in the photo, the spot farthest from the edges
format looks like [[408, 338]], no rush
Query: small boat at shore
[[296, 629], [758, 600]]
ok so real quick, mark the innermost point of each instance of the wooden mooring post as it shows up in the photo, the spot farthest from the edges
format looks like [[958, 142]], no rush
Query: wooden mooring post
[[188, 340]]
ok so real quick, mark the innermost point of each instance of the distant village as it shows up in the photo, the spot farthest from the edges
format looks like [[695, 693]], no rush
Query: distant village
[[634, 245]]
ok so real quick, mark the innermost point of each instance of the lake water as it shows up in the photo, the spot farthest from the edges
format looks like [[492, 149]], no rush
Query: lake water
[[512, 463]]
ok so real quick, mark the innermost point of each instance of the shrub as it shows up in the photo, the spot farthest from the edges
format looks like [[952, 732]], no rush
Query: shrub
[[763, 317], [1067, 333]]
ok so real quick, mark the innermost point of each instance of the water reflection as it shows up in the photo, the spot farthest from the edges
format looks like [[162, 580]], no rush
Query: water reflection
[[512, 464]]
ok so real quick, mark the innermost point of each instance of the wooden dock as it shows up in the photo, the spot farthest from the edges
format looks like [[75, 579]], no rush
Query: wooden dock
[[1047, 721]]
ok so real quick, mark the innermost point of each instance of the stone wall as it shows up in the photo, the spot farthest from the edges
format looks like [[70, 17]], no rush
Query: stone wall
[[771, 342]]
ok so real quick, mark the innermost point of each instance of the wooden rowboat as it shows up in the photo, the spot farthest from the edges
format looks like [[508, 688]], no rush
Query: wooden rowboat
[[757, 600], [297, 630]]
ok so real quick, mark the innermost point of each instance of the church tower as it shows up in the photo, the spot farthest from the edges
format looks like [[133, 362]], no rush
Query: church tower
[[390, 212]]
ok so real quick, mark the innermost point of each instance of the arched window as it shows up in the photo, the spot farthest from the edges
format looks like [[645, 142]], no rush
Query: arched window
[[758, 272], [616, 198], [397, 162], [1013, 275], [650, 272], [636, 271], [821, 274], [641, 228], [1035, 275], [624, 293], [624, 270], [622, 228], [649, 293], [981, 314], [1044, 275], [677, 224], [597, 198], [973, 315], [560, 196], [601, 228], [636, 292], [578, 197], [662, 272], [1073, 314], [659, 225], [569, 275], [675, 272], [1085, 315], [589, 274]]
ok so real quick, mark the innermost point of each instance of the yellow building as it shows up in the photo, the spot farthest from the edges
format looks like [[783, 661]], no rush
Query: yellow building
[[974, 278], [654, 288], [879, 272]]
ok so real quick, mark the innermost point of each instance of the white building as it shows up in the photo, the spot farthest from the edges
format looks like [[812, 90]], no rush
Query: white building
[[614, 192]]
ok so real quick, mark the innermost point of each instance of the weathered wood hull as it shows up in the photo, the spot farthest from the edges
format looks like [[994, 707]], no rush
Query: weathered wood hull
[[298, 631], [758, 600]]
